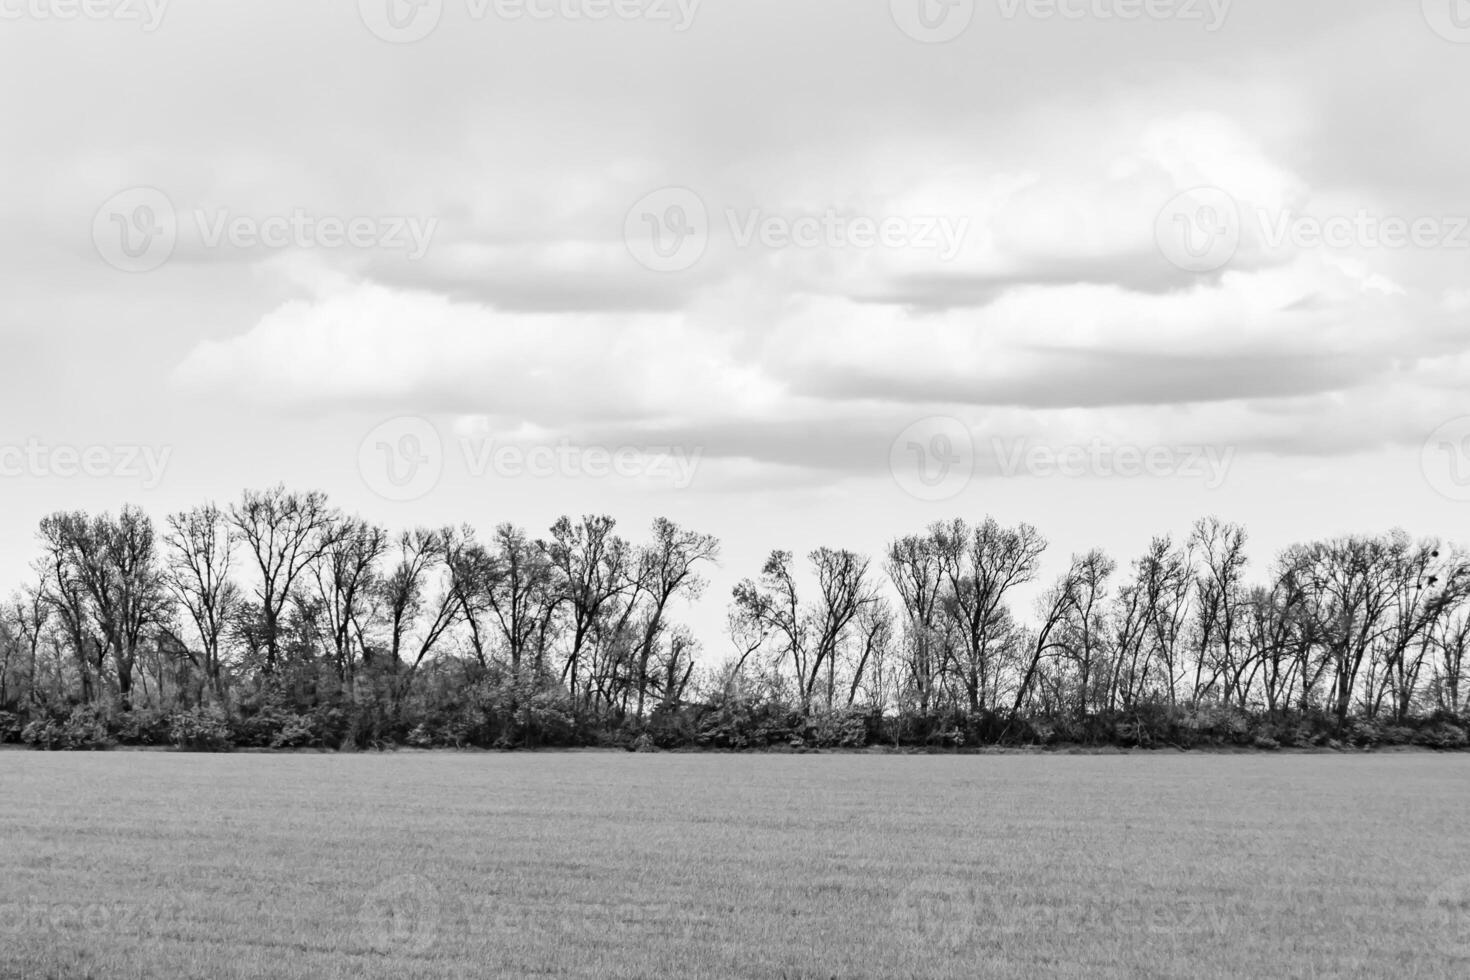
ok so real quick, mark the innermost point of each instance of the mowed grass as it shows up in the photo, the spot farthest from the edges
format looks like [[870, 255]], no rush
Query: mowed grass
[[164, 865]]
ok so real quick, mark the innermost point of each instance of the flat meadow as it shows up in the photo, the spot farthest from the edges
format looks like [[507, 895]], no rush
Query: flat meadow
[[602, 864]]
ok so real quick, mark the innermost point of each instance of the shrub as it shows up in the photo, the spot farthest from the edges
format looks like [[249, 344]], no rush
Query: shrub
[[1043, 733], [740, 723], [276, 727], [550, 718], [671, 728], [644, 743], [843, 728], [330, 724], [1443, 735], [143, 726], [85, 729], [1363, 733], [1397, 735], [295, 731], [1128, 733], [201, 730]]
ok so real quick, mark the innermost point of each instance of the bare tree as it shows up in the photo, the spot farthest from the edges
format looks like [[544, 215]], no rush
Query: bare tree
[[346, 579], [875, 630], [405, 594], [1451, 640], [64, 592], [916, 569], [473, 575], [522, 602], [29, 615], [980, 567], [1349, 591], [594, 572], [672, 667], [1049, 638], [1083, 634], [107, 587], [200, 549], [1430, 582], [813, 638], [286, 533], [1153, 613]]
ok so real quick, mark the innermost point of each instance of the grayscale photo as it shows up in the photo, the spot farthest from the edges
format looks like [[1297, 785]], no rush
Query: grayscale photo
[[702, 489]]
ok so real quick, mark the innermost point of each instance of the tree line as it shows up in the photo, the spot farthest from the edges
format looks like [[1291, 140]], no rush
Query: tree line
[[280, 621]]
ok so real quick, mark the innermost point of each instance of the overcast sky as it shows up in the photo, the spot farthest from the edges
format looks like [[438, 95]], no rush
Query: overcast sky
[[794, 272]]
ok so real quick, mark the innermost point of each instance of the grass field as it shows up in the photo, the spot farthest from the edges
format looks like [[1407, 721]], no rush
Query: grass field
[[123, 865]]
